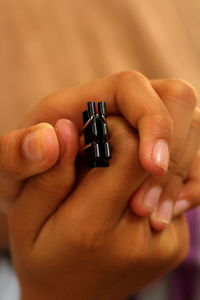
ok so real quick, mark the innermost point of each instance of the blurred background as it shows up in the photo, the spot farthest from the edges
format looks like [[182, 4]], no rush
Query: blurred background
[[46, 45]]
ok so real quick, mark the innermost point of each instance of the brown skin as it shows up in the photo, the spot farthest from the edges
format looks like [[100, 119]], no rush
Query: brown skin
[[191, 189], [186, 175], [149, 104], [157, 109], [90, 244]]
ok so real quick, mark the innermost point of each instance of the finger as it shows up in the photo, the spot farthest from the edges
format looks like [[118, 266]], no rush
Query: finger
[[42, 194], [127, 93], [180, 103], [165, 209], [180, 100], [190, 199], [24, 153], [159, 194], [103, 194], [189, 196]]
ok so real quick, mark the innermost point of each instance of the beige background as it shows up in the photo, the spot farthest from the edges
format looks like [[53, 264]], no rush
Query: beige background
[[46, 45]]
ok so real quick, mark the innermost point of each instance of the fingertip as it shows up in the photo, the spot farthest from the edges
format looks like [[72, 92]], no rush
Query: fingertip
[[50, 143], [158, 225], [162, 215], [138, 207], [68, 138], [181, 206], [154, 157], [40, 144], [145, 199], [188, 197]]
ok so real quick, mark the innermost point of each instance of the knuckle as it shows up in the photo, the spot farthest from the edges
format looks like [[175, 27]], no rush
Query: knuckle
[[182, 91], [130, 75], [88, 239], [174, 162], [163, 121], [179, 174], [162, 124]]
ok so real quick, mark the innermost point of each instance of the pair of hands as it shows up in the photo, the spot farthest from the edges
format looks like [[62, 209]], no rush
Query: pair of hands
[[76, 235]]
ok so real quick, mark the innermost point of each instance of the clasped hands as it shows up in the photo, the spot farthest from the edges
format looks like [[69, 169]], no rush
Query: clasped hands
[[102, 233]]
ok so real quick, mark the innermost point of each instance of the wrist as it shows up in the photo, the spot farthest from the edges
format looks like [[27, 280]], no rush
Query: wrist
[[32, 294]]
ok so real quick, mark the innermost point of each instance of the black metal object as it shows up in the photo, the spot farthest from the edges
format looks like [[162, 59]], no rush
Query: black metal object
[[98, 150]]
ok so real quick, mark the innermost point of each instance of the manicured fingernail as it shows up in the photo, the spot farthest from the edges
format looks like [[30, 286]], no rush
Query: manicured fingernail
[[181, 206], [160, 154], [151, 197], [164, 212], [36, 141]]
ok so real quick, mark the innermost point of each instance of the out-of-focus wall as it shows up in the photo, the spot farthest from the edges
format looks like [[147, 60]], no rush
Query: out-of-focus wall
[[46, 45]]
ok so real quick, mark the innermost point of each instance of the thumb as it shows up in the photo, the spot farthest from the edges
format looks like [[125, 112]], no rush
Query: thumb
[[43, 194], [24, 153]]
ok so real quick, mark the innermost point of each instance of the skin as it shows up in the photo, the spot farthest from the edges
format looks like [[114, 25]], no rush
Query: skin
[[77, 226], [163, 102], [157, 109], [178, 182]]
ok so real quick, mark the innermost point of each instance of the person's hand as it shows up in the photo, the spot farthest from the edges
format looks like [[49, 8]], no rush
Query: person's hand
[[174, 198], [75, 238], [160, 110]]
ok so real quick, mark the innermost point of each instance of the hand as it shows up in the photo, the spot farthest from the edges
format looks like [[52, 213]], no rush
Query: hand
[[161, 111], [150, 106], [170, 200], [78, 238]]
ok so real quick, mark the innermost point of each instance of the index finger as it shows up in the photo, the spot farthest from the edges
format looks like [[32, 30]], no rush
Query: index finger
[[129, 94]]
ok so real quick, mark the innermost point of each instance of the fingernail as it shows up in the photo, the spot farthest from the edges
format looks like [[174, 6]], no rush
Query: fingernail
[[181, 206], [164, 212], [35, 142], [160, 154], [62, 127], [151, 197]]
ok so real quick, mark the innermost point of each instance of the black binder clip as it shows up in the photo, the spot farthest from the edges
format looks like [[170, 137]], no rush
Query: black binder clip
[[98, 150]]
